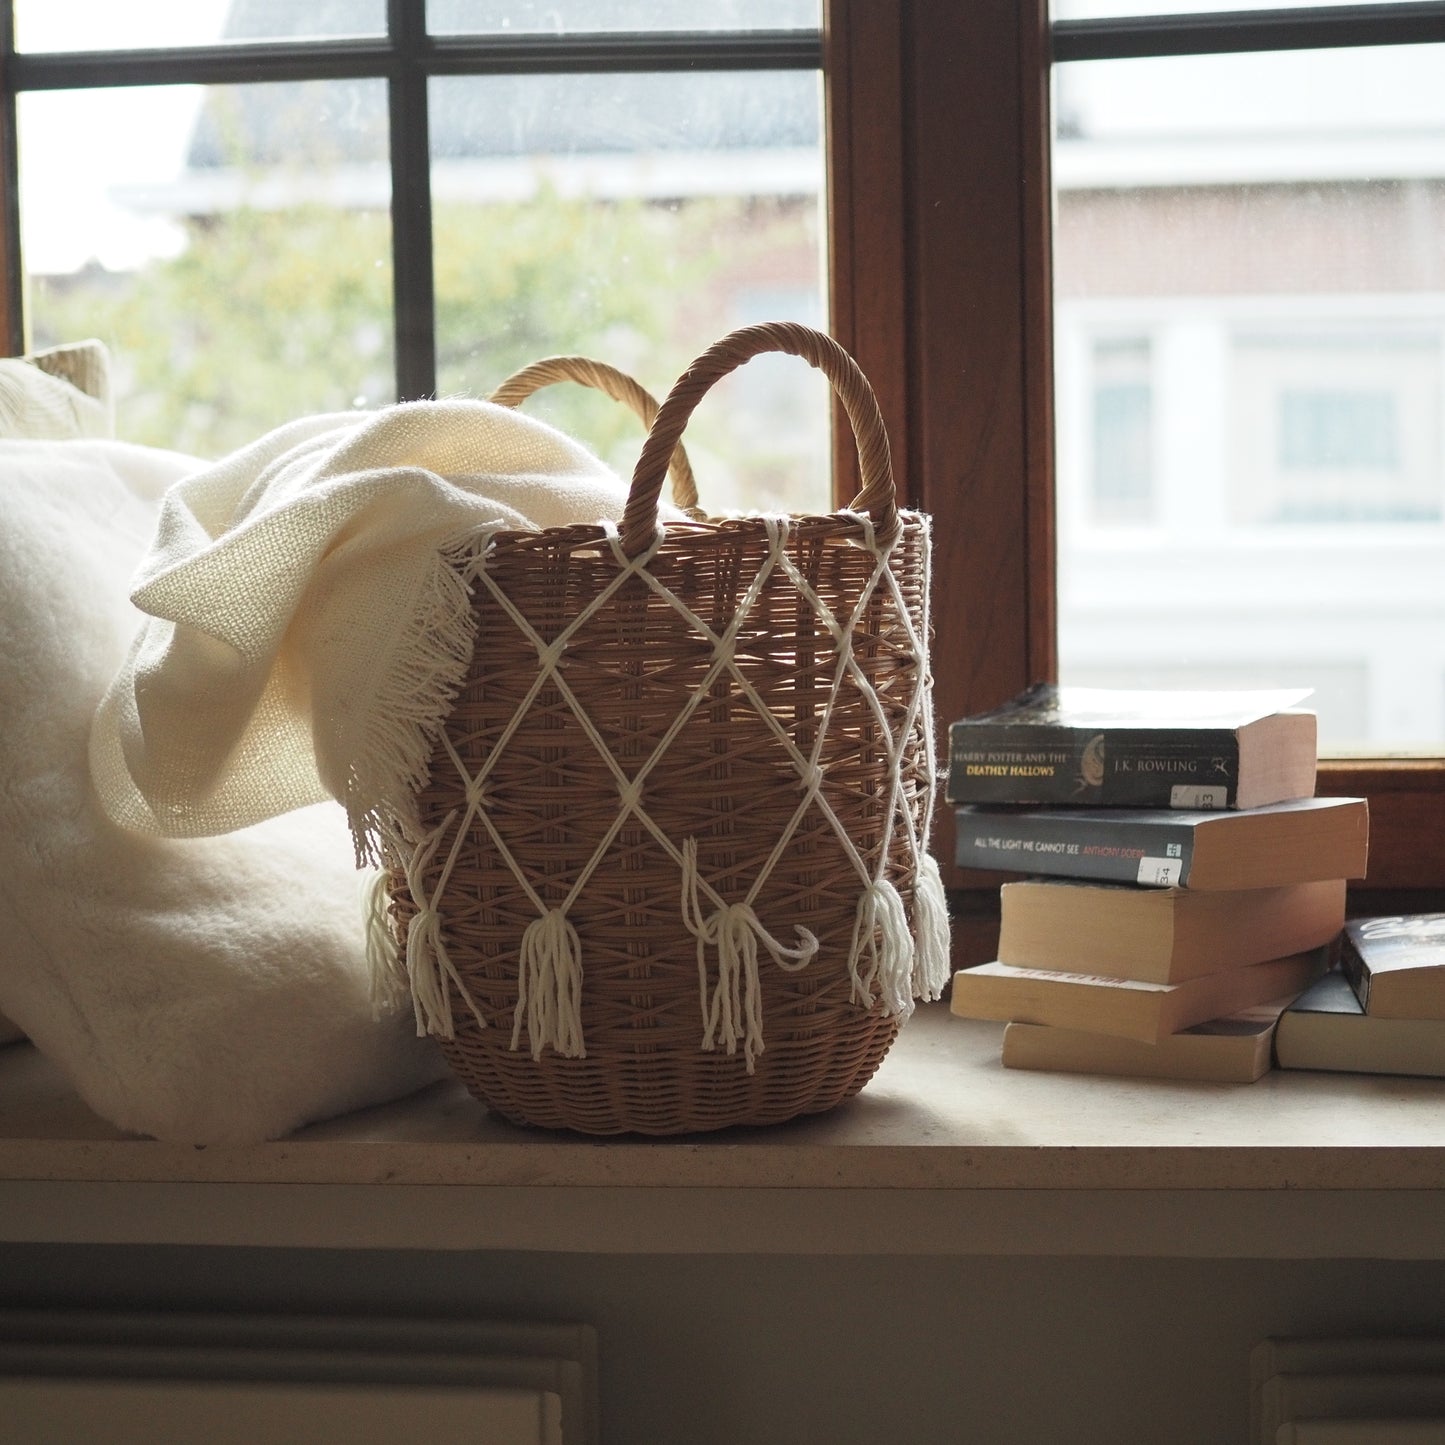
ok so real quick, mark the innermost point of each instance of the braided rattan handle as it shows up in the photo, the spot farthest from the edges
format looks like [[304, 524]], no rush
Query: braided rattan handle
[[878, 496], [611, 382]]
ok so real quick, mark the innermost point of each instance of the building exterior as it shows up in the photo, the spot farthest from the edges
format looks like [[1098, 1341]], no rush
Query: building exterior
[[1250, 325]]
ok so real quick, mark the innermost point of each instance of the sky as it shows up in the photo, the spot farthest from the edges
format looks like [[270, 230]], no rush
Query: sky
[[107, 25], [75, 146]]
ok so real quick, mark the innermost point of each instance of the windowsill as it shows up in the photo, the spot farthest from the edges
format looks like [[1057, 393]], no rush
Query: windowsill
[[945, 1152]]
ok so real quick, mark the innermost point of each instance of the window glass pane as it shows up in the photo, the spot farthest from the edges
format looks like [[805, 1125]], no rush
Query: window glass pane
[[66, 25], [1100, 9], [231, 246], [1250, 326], [635, 219], [1123, 442], [1336, 425], [523, 17]]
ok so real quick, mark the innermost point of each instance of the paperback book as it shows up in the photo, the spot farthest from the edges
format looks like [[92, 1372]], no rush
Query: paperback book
[[1396, 964], [1128, 1007], [1237, 1049], [1292, 842], [1326, 1027], [1109, 747], [1161, 935]]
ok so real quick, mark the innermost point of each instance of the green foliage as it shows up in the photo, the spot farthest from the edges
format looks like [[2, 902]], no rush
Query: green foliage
[[518, 282], [267, 315]]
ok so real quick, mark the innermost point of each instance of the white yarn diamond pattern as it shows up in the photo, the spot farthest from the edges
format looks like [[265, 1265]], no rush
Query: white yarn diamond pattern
[[885, 962]]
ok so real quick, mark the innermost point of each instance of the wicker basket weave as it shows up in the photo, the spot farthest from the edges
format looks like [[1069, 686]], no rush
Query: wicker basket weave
[[615, 384], [671, 874]]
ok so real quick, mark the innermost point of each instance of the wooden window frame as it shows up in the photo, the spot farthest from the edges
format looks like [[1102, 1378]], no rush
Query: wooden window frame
[[940, 225]]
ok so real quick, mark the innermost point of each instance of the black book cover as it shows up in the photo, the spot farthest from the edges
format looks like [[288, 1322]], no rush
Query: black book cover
[[1099, 746], [1390, 944], [1329, 994], [1155, 850]]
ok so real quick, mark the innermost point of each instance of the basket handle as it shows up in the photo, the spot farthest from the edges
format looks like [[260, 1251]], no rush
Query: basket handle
[[613, 383], [878, 496]]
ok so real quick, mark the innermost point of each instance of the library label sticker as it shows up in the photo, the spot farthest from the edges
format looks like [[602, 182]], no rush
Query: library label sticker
[[1197, 795], [1160, 872]]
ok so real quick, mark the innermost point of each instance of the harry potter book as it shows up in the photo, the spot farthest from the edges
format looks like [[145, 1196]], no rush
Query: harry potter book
[[1115, 748]]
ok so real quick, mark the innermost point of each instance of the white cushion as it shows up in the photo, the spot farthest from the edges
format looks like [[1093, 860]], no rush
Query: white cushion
[[58, 394], [205, 990]]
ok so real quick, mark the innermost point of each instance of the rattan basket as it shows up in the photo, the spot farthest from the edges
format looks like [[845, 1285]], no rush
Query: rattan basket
[[585, 371], [671, 874]]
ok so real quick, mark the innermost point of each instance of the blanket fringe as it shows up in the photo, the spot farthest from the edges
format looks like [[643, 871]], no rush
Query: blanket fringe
[[429, 662]]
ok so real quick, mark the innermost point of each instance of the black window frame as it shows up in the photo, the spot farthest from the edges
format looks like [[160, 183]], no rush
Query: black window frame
[[405, 57]]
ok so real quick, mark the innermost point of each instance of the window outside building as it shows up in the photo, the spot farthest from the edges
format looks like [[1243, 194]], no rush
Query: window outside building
[[1250, 318]]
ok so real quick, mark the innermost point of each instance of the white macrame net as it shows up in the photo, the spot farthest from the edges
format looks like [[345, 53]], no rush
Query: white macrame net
[[889, 962]]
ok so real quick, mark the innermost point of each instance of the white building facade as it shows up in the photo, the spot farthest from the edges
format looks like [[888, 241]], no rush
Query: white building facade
[[1250, 352]]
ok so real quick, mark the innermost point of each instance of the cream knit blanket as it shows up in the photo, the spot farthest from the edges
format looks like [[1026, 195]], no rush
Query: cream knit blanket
[[304, 635], [203, 991]]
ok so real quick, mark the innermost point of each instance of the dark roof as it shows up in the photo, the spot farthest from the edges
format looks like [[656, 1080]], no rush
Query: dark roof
[[508, 115], [291, 19]]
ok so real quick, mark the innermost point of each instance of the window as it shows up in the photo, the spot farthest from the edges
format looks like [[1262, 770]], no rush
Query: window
[[1123, 417], [1338, 430], [938, 122], [315, 207], [1269, 215], [1250, 190]]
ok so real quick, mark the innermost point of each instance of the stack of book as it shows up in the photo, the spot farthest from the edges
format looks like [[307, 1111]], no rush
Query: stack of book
[[1187, 886], [1382, 1011]]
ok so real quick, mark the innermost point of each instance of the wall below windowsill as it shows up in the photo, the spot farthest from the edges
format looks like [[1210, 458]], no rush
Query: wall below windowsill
[[944, 1153]]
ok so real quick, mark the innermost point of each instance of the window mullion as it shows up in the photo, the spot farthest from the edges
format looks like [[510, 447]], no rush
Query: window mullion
[[12, 296], [867, 279], [977, 246], [413, 287], [1130, 37]]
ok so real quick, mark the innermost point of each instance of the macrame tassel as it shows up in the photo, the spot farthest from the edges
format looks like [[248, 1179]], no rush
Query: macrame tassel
[[387, 976], [881, 934], [549, 987], [932, 964], [732, 1008], [427, 967], [732, 1011]]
